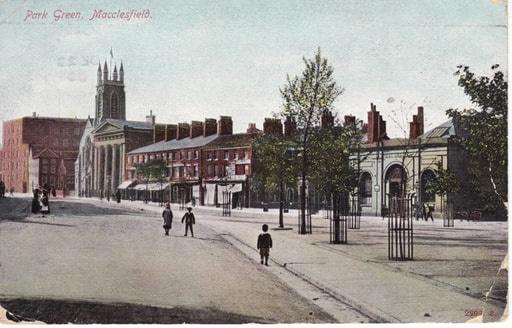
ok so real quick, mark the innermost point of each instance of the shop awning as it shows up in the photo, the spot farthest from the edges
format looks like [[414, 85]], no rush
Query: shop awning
[[152, 186], [125, 184]]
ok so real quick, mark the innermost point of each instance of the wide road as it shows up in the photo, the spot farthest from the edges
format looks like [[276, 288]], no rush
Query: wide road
[[89, 261]]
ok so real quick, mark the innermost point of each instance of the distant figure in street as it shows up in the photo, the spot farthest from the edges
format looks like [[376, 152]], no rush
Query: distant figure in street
[[264, 244], [45, 203], [36, 205], [118, 196], [54, 192], [167, 215], [429, 213], [190, 220], [2, 189], [108, 196]]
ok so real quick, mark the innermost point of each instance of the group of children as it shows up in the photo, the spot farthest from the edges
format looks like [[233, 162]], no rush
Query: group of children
[[41, 202], [188, 218], [264, 243]]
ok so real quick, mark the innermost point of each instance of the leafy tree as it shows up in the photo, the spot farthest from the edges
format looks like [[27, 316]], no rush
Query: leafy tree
[[305, 98], [486, 144], [274, 166], [331, 168], [154, 170], [445, 182]]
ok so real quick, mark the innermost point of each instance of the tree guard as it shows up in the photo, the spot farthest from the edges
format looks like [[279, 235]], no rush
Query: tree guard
[[354, 219], [338, 222], [448, 213], [226, 203], [400, 229]]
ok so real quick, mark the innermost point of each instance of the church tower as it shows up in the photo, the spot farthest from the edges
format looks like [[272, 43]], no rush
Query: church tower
[[110, 96]]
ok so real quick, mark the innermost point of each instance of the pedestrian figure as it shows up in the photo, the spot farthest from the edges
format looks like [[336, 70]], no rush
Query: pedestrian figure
[[36, 205], [108, 196], [2, 189], [264, 244], [167, 215], [190, 220], [54, 192], [45, 203], [429, 213], [118, 196]]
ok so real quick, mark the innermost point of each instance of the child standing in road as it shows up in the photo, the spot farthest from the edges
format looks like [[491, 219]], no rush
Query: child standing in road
[[190, 220], [264, 244], [167, 215]]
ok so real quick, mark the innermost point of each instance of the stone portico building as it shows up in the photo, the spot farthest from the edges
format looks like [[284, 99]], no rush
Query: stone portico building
[[385, 163]]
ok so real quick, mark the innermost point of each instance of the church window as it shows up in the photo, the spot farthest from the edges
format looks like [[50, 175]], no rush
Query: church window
[[114, 106]]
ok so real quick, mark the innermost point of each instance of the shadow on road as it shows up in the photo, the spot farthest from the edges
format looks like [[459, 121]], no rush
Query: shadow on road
[[38, 222], [75, 208], [83, 312]]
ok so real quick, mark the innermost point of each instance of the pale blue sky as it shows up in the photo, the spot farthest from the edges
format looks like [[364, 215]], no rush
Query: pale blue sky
[[197, 59]]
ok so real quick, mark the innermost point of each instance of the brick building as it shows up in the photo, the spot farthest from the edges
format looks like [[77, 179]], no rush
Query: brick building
[[203, 159], [40, 151]]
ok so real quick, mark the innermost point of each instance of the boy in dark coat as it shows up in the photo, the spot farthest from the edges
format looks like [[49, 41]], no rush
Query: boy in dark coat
[[264, 244], [190, 220], [167, 215]]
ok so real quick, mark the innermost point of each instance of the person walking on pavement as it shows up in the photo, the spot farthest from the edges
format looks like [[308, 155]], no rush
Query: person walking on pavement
[[45, 203], [190, 220], [264, 244], [118, 196], [167, 215], [36, 205]]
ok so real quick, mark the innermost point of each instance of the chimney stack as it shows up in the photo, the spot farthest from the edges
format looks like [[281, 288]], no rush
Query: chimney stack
[[210, 127], [183, 130], [158, 133], [350, 120], [272, 126], [150, 118], [327, 120], [252, 128], [196, 129], [416, 126], [225, 126], [376, 126], [290, 126], [171, 131]]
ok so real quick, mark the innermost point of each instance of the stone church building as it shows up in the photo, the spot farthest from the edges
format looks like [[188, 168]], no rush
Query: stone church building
[[108, 137]]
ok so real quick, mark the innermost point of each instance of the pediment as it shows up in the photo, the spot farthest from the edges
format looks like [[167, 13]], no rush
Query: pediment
[[107, 128], [47, 153]]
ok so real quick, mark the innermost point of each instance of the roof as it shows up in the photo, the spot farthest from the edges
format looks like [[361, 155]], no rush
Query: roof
[[130, 124], [175, 144], [446, 130], [234, 140]]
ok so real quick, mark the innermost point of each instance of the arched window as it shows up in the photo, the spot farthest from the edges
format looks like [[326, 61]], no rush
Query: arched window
[[114, 106], [365, 188], [426, 176]]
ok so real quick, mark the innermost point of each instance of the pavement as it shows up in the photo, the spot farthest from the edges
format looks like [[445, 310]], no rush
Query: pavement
[[452, 270], [446, 282]]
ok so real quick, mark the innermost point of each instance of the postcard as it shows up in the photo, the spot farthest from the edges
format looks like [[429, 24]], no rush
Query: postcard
[[234, 162]]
